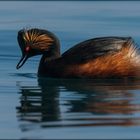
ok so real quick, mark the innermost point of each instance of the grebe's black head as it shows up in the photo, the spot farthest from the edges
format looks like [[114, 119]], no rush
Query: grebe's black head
[[36, 41]]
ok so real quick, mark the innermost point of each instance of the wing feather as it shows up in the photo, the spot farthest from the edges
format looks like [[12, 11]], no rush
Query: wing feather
[[93, 48]]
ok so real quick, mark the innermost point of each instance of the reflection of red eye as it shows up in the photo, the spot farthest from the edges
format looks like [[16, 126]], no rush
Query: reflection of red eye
[[27, 49]]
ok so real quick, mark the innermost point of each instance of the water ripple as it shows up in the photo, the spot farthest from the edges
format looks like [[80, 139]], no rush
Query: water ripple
[[82, 103]]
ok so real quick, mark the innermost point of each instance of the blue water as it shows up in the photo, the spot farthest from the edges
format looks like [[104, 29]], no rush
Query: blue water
[[61, 108]]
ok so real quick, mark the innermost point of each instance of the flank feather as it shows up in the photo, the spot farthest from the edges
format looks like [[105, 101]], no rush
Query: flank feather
[[126, 62]]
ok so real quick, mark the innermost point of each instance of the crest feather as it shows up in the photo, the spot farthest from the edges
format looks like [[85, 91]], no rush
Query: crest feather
[[37, 39]]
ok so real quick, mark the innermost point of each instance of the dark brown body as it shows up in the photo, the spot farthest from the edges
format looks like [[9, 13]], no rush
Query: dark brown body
[[116, 62], [107, 66]]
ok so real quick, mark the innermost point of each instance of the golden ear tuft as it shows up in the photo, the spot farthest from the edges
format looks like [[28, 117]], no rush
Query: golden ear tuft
[[37, 39]]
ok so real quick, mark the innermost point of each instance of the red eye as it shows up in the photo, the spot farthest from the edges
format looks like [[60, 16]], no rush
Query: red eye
[[27, 49]]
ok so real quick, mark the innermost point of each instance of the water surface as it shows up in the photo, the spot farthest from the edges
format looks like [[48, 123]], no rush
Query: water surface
[[33, 107]]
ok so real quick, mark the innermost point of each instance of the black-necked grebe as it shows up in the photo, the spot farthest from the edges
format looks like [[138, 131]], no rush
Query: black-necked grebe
[[95, 58]]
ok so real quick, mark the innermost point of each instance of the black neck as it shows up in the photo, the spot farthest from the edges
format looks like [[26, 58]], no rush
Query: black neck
[[53, 54]]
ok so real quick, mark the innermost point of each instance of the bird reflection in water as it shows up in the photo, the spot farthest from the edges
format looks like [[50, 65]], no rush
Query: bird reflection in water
[[80, 102]]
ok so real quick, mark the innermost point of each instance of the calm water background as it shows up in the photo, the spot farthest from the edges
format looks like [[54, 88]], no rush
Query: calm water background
[[60, 108]]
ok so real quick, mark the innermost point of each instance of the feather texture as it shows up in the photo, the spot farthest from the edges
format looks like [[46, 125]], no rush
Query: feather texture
[[37, 39], [120, 64]]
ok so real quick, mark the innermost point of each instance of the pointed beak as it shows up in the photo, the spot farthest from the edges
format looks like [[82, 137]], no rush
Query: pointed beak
[[22, 61]]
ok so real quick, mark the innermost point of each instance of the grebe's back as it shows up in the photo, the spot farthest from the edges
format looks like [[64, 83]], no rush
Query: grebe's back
[[104, 57], [96, 47]]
